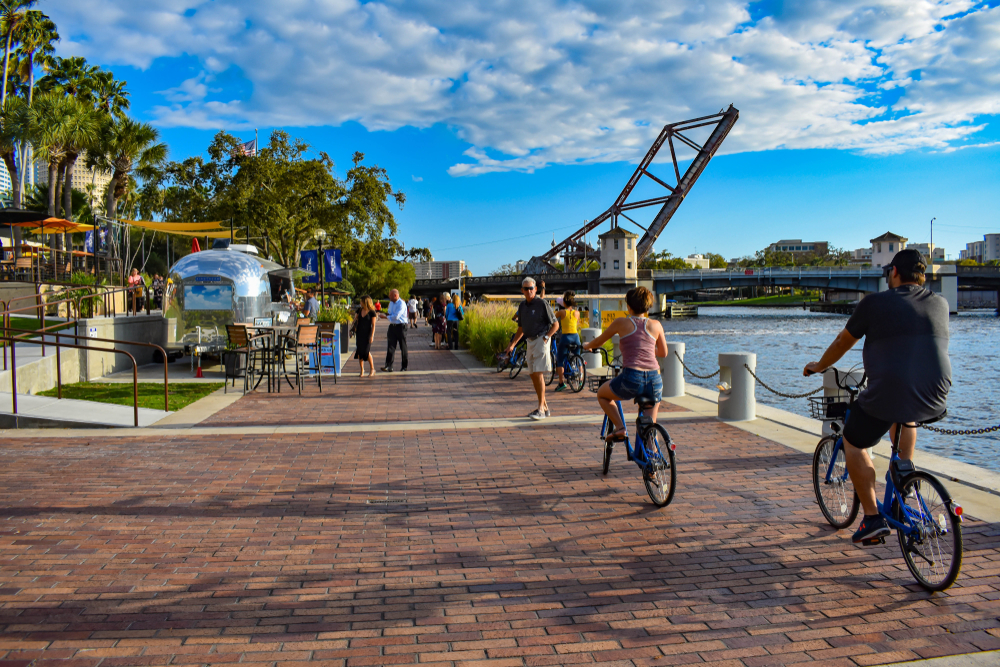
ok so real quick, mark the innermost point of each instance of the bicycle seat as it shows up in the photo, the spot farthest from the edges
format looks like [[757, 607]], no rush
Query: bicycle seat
[[645, 402], [944, 413]]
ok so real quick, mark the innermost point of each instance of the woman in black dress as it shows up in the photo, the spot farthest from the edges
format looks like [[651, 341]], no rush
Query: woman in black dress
[[439, 327], [365, 333]]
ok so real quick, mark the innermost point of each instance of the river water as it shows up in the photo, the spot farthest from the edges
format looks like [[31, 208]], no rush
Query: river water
[[785, 339]]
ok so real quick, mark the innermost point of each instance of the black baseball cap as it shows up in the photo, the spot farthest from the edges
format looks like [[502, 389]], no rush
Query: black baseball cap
[[908, 261]]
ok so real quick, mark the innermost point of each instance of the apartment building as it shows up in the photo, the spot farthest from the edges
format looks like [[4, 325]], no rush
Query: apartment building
[[438, 270], [799, 248], [926, 249], [885, 247]]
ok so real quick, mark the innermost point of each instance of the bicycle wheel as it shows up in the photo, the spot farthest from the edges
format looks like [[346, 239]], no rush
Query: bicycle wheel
[[516, 363], [659, 474], [576, 373], [932, 548], [501, 363], [609, 447], [836, 497], [553, 375]]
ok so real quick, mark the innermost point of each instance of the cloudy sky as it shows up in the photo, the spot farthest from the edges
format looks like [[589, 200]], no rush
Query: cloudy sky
[[508, 123]]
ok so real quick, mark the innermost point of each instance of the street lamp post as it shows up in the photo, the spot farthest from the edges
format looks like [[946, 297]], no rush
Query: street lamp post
[[320, 237], [932, 239]]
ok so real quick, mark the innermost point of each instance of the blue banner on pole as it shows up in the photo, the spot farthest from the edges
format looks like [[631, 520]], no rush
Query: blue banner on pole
[[331, 266], [88, 241], [308, 261]]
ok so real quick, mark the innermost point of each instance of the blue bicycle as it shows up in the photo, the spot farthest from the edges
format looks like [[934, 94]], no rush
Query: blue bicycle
[[574, 368], [927, 521], [653, 451]]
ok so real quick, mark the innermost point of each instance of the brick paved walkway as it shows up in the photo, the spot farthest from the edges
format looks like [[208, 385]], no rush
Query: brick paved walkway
[[506, 547]]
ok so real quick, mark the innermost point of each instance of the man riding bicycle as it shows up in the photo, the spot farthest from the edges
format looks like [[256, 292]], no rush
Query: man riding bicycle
[[909, 373]]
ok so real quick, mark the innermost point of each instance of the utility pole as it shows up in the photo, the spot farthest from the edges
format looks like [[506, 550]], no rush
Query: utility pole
[[932, 239]]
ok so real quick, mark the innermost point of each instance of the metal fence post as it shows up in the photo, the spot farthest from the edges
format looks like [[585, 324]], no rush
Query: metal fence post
[[737, 401], [671, 370]]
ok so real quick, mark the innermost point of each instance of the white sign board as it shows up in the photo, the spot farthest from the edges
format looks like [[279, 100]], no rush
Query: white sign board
[[92, 332]]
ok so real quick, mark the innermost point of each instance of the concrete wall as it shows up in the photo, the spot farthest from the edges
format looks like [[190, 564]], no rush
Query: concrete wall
[[41, 374], [141, 328]]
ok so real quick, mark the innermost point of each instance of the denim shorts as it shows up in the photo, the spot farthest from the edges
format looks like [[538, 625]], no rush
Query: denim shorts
[[565, 342], [631, 383]]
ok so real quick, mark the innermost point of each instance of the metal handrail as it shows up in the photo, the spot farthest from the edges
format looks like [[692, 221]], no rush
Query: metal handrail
[[13, 374], [57, 334]]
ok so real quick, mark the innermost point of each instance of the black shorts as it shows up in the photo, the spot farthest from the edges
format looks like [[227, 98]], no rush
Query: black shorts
[[862, 430]]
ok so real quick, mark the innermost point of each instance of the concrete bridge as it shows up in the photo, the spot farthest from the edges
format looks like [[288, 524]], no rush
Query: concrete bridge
[[944, 279]]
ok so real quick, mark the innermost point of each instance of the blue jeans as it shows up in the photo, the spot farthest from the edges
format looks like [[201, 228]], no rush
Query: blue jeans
[[565, 342], [631, 383]]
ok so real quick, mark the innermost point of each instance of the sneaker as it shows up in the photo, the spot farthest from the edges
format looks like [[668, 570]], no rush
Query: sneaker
[[537, 414], [560, 387], [386, 369], [872, 529], [548, 413], [403, 370]]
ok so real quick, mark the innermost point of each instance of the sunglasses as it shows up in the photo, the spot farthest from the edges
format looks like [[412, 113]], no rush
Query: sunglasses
[[527, 289]]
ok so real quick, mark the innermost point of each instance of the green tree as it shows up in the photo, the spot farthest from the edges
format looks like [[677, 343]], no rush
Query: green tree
[[126, 147], [378, 277], [12, 15], [716, 261]]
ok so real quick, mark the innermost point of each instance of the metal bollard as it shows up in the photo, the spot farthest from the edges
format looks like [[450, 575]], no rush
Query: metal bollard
[[672, 372], [592, 359], [737, 402]]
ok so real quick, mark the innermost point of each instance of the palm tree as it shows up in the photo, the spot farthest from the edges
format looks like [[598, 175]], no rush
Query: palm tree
[[72, 76], [126, 147], [50, 126], [13, 130], [110, 96], [12, 13], [81, 132], [36, 36]]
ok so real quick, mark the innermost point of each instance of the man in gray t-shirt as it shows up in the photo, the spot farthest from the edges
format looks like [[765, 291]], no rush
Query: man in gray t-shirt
[[536, 324], [909, 374]]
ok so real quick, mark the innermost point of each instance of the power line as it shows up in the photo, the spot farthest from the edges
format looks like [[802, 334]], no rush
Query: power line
[[512, 238]]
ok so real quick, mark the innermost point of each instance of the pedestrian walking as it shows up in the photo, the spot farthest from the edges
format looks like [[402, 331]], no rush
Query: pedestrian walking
[[397, 331], [411, 310], [454, 314], [365, 332], [440, 327], [537, 323], [428, 312]]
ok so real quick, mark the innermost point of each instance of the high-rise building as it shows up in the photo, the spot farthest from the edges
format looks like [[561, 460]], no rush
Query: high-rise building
[[82, 177], [991, 247], [973, 251], [6, 189]]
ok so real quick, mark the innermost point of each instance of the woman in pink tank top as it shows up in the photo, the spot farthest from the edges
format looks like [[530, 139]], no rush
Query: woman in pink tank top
[[641, 341]]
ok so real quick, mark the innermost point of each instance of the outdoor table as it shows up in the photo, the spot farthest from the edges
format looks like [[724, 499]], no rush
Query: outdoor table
[[274, 332]]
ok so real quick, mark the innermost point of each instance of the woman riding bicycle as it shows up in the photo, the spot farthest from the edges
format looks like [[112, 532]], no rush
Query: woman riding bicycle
[[641, 341], [569, 327]]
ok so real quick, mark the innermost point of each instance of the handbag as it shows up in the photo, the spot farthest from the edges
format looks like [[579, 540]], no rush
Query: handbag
[[458, 314]]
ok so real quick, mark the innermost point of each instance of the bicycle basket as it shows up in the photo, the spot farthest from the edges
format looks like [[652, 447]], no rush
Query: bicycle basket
[[827, 408]]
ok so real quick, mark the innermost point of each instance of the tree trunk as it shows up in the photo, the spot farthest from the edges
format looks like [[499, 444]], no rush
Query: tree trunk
[[6, 65], [60, 180], [68, 186], [8, 159], [53, 166], [111, 203]]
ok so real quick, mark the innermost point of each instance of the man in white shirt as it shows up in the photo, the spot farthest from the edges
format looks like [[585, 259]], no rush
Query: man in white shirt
[[397, 331], [412, 309]]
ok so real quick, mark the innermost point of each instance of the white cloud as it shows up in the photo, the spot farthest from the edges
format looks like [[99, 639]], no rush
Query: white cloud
[[417, 179], [535, 83]]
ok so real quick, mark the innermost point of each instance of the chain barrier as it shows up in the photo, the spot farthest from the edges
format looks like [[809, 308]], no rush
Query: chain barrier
[[703, 377], [778, 393], [966, 431]]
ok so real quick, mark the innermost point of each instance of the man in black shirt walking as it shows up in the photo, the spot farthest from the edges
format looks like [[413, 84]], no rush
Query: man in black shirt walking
[[537, 323], [909, 374]]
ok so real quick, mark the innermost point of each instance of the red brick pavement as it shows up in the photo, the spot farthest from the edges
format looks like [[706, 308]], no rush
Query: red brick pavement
[[509, 548], [401, 397]]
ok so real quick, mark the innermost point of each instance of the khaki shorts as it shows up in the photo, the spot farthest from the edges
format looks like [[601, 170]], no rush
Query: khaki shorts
[[539, 360]]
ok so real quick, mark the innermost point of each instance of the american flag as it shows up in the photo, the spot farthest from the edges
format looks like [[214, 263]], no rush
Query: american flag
[[249, 148]]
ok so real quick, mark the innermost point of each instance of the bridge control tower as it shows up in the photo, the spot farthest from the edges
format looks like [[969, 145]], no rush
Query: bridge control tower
[[619, 260]]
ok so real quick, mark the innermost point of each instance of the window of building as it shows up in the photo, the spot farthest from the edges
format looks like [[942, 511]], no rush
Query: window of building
[[878, 247], [616, 247], [605, 265], [630, 263], [616, 261], [890, 247], [630, 244]]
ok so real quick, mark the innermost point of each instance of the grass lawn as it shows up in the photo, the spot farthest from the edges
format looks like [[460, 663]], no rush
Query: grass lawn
[[31, 323], [150, 393]]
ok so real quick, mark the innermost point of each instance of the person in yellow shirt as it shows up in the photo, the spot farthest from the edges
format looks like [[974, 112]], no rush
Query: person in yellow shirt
[[569, 328]]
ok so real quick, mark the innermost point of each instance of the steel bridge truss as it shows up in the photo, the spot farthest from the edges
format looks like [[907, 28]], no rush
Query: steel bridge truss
[[575, 248]]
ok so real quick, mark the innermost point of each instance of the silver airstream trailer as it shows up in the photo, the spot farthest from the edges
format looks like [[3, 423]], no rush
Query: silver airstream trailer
[[210, 289]]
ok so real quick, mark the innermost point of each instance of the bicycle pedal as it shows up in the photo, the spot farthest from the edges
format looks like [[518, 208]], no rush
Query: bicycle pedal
[[872, 542]]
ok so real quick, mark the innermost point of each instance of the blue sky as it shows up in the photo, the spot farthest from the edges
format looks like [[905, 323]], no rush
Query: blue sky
[[506, 123]]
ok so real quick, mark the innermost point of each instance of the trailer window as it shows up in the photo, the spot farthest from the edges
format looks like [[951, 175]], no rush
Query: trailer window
[[208, 297]]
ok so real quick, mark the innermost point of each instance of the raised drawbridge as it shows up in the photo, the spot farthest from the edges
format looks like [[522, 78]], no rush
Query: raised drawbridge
[[574, 248]]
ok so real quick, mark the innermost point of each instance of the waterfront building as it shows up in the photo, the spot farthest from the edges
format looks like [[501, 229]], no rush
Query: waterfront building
[[619, 260], [519, 266], [973, 251], [926, 249], [798, 248], [991, 247], [862, 256], [885, 247], [697, 261], [438, 270]]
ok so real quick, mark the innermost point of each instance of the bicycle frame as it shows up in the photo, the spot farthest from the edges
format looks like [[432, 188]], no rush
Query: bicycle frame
[[606, 425]]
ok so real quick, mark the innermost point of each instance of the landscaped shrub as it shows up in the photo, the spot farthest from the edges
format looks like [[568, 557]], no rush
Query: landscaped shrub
[[486, 329]]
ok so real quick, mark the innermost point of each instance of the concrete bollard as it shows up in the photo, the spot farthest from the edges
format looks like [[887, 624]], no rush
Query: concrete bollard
[[672, 372], [737, 403], [592, 359]]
